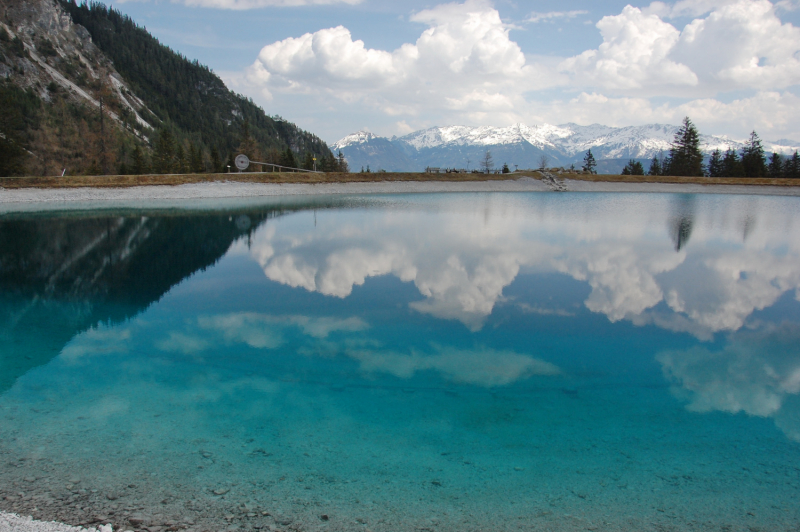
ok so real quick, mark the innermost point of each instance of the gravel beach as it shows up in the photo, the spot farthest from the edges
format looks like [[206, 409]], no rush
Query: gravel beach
[[14, 523], [46, 198]]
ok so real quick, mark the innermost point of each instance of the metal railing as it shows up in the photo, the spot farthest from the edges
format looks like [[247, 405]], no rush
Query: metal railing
[[286, 167]]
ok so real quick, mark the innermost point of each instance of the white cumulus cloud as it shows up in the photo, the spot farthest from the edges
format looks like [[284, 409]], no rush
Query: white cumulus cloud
[[634, 54], [464, 60], [739, 45]]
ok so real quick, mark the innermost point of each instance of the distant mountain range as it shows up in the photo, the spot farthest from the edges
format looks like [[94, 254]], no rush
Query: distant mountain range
[[523, 146]]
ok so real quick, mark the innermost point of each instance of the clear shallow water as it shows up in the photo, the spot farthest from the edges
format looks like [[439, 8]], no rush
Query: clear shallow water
[[441, 362]]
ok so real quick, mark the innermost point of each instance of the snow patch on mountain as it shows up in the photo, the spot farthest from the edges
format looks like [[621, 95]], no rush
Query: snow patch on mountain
[[637, 141], [360, 137], [562, 144]]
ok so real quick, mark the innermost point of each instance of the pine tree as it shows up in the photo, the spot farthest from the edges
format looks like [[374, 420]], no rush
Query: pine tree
[[633, 168], [589, 164], [196, 163], [791, 168], [754, 161], [308, 161], [775, 168], [685, 157], [164, 153], [139, 164], [715, 164], [731, 165], [248, 144], [655, 166], [216, 161], [181, 165], [287, 159]]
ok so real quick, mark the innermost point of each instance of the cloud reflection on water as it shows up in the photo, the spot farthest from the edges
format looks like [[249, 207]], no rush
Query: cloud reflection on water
[[757, 372], [711, 262], [479, 366]]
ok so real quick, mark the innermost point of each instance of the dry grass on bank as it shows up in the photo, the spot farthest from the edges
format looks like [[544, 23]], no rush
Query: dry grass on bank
[[761, 181], [112, 181], [254, 177]]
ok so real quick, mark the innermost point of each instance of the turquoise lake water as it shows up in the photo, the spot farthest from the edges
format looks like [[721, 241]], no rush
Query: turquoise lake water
[[405, 362]]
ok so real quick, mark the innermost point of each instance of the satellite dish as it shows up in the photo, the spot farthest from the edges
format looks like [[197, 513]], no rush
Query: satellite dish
[[242, 161]]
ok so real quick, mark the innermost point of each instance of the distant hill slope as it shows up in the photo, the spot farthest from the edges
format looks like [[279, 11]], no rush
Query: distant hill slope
[[524, 146], [60, 60]]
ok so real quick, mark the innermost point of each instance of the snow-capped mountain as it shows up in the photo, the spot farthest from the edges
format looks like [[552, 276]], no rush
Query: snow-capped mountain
[[523, 146]]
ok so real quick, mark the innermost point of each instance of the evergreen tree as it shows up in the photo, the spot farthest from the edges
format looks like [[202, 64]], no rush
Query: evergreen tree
[[589, 164], [685, 157], [288, 159], [791, 168], [164, 153], [715, 164], [181, 166], [754, 161], [328, 164], [775, 168], [308, 161], [216, 161], [633, 168], [731, 165], [139, 165], [506, 170], [12, 154], [196, 163], [655, 166], [248, 144]]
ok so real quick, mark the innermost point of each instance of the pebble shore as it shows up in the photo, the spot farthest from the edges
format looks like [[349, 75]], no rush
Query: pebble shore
[[15, 200]]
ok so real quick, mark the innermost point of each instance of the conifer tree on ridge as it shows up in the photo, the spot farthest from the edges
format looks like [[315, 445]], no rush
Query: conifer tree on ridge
[[685, 157], [754, 160]]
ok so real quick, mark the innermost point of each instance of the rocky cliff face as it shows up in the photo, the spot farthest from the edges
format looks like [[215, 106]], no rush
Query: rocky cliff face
[[54, 82], [45, 52]]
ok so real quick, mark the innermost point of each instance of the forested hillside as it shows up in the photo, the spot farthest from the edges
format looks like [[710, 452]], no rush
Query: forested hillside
[[184, 93], [85, 90]]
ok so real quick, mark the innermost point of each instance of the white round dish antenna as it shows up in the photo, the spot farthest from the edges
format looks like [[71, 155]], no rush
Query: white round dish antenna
[[242, 161]]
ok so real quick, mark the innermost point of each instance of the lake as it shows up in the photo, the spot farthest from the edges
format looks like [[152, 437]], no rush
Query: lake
[[439, 362]]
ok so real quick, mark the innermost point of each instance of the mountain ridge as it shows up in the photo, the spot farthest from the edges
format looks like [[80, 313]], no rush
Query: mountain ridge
[[523, 146]]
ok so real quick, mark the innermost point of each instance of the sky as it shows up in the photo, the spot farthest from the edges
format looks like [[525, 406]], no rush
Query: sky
[[335, 67]]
